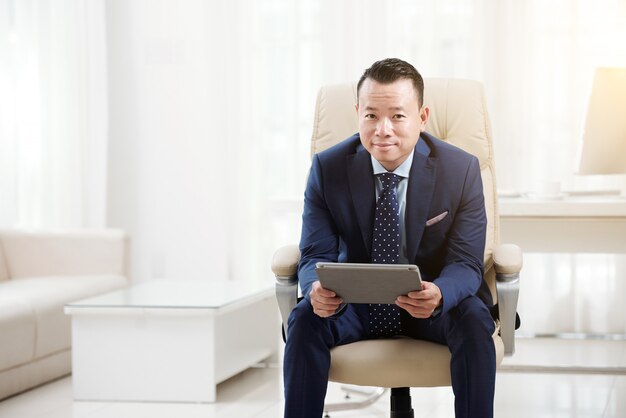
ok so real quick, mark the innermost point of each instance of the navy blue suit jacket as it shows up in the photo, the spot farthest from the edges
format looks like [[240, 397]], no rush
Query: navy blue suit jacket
[[339, 205]]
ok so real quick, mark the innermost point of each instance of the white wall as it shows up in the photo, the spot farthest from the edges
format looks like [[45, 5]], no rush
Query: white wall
[[168, 149]]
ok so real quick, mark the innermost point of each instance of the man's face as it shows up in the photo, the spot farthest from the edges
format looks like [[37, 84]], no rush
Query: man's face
[[390, 120]]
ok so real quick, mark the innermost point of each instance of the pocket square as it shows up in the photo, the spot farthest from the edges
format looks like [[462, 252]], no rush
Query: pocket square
[[436, 219]]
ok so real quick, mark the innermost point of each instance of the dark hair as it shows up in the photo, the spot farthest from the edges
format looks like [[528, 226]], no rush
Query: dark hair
[[391, 69]]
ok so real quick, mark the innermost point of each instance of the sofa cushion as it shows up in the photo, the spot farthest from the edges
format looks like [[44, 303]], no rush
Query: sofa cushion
[[47, 297], [17, 331]]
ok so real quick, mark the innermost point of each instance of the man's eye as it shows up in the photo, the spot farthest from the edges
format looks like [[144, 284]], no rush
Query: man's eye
[[399, 116], [370, 116]]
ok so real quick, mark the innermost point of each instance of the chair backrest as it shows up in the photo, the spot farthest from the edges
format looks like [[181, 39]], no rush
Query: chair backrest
[[458, 115]]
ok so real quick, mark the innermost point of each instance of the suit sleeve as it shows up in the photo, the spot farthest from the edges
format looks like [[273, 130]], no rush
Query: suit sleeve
[[319, 239], [463, 268]]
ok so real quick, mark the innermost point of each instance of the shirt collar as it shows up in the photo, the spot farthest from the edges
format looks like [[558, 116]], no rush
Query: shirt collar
[[403, 169]]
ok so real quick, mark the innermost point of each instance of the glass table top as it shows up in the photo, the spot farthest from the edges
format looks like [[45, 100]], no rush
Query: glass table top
[[191, 294]]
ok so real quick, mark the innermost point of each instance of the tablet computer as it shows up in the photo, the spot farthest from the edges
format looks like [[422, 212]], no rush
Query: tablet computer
[[369, 283]]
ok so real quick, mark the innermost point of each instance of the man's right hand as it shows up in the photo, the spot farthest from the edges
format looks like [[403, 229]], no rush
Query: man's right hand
[[325, 302]]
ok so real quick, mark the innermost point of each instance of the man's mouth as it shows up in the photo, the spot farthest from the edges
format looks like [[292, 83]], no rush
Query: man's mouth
[[383, 145]]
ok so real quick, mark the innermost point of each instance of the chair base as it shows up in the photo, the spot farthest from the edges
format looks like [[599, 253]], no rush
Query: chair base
[[370, 397], [401, 403]]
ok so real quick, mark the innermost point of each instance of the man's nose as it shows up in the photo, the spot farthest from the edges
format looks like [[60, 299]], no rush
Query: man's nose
[[383, 128]]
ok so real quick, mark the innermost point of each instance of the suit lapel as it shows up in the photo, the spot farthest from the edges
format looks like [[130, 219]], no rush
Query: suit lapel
[[361, 181], [419, 196]]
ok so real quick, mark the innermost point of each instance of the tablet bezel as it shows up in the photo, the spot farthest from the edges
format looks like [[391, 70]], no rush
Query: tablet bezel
[[369, 283]]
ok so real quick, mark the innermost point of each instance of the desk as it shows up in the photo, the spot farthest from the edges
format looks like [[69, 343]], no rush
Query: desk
[[568, 225], [554, 298]]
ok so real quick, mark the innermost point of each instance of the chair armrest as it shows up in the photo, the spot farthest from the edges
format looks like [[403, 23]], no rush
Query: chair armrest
[[507, 259], [285, 268], [508, 264], [285, 261]]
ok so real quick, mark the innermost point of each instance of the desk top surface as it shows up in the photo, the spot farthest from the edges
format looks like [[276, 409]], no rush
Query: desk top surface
[[566, 206]]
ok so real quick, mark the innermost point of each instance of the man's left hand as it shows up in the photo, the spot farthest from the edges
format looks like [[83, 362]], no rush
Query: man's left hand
[[423, 303]]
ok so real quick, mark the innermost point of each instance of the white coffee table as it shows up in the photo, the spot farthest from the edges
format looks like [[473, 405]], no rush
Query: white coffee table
[[170, 340]]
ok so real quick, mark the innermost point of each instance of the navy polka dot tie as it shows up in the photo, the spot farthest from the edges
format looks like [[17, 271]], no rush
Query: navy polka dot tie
[[385, 319]]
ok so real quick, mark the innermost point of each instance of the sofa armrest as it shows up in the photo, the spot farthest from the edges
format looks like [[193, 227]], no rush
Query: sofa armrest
[[508, 262], [285, 268], [65, 252]]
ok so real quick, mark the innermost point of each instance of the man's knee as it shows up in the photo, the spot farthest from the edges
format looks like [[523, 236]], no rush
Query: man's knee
[[303, 317], [472, 319]]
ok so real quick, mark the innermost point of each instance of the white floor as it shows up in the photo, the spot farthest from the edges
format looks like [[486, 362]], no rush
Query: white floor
[[257, 392]]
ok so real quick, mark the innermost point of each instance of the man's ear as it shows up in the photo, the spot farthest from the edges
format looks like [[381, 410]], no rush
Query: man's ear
[[356, 107], [424, 113]]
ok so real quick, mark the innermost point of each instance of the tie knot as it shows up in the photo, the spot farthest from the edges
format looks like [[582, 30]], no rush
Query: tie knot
[[389, 180]]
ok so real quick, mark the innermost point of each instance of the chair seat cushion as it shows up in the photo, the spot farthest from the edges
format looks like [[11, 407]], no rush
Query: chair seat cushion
[[396, 362]]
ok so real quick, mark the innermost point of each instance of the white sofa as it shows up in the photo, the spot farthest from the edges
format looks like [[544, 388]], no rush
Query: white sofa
[[41, 271]]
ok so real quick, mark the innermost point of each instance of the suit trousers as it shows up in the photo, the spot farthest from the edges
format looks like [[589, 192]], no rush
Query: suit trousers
[[466, 329]]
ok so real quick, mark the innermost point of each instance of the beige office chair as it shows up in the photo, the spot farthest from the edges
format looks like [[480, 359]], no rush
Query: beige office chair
[[457, 115]]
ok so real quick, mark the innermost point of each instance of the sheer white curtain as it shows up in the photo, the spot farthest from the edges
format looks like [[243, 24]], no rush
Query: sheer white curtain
[[535, 58], [53, 122]]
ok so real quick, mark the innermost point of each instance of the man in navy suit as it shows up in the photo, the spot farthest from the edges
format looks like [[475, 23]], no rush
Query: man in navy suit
[[442, 225]]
